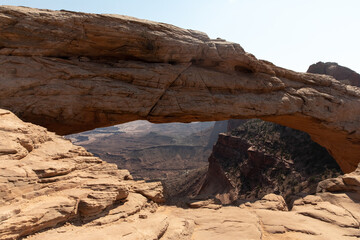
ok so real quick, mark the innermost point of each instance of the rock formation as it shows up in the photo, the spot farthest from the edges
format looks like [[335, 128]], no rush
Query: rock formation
[[259, 158], [256, 157], [72, 72], [45, 180], [341, 73]]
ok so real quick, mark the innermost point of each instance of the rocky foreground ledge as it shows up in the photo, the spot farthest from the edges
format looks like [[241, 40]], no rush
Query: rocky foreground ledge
[[52, 189], [46, 180]]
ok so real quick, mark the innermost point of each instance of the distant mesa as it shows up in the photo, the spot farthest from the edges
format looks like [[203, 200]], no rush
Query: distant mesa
[[340, 73]]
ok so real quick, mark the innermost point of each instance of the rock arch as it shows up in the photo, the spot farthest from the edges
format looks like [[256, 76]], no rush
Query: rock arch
[[72, 72]]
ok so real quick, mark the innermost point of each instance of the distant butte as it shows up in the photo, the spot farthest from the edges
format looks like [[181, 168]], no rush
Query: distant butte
[[340, 73], [72, 72]]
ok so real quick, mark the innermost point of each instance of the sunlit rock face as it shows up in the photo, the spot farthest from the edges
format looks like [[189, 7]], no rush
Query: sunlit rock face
[[255, 157], [72, 72], [45, 180]]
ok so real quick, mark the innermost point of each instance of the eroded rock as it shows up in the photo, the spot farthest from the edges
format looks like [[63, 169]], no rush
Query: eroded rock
[[54, 182], [271, 202], [151, 190], [83, 197], [340, 73], [102, 70], [344, 183]]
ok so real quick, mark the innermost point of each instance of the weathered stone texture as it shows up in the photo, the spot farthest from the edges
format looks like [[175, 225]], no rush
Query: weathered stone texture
[[72, 72], [45, 180]]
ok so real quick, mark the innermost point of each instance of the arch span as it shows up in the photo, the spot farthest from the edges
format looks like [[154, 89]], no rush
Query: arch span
[[72, 72]]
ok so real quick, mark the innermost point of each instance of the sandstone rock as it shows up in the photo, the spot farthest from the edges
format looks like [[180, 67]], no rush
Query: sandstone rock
[[138, 69], [198, 204], [309, 199], [271, 202], [179, 229], [142, 229], [344, 183], [103, 194], [340, 73], [327, 212], [351, 180], [101, 70], [292, 225], [332, 184], [56, 182], [151, 190], [52, 182], [348, 201], [311, 216], [210, 203], [133, 204], [225, 223], [23, 219]]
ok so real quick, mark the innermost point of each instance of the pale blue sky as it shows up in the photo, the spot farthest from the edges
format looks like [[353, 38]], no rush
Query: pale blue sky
[[289, 33]]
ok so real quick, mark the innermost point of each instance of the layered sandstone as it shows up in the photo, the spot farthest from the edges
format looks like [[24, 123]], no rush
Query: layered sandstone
[[45, 180], [72, 72]]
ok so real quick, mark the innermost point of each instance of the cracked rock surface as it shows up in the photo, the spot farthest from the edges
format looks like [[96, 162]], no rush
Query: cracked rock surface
[[45, 180], [72, 72]]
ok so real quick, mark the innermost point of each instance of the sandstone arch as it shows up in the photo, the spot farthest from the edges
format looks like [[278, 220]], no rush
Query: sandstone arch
[[72, 72]]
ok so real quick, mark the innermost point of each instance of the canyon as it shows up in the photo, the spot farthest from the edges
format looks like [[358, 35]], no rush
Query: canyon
[[152, 151], [52, 189], [254, 158], [69, 72]]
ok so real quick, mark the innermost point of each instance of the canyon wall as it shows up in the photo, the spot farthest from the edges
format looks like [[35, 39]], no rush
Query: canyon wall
[[258, 158]]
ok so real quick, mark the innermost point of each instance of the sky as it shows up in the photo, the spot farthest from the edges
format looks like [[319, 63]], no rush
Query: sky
[[290, 33]]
